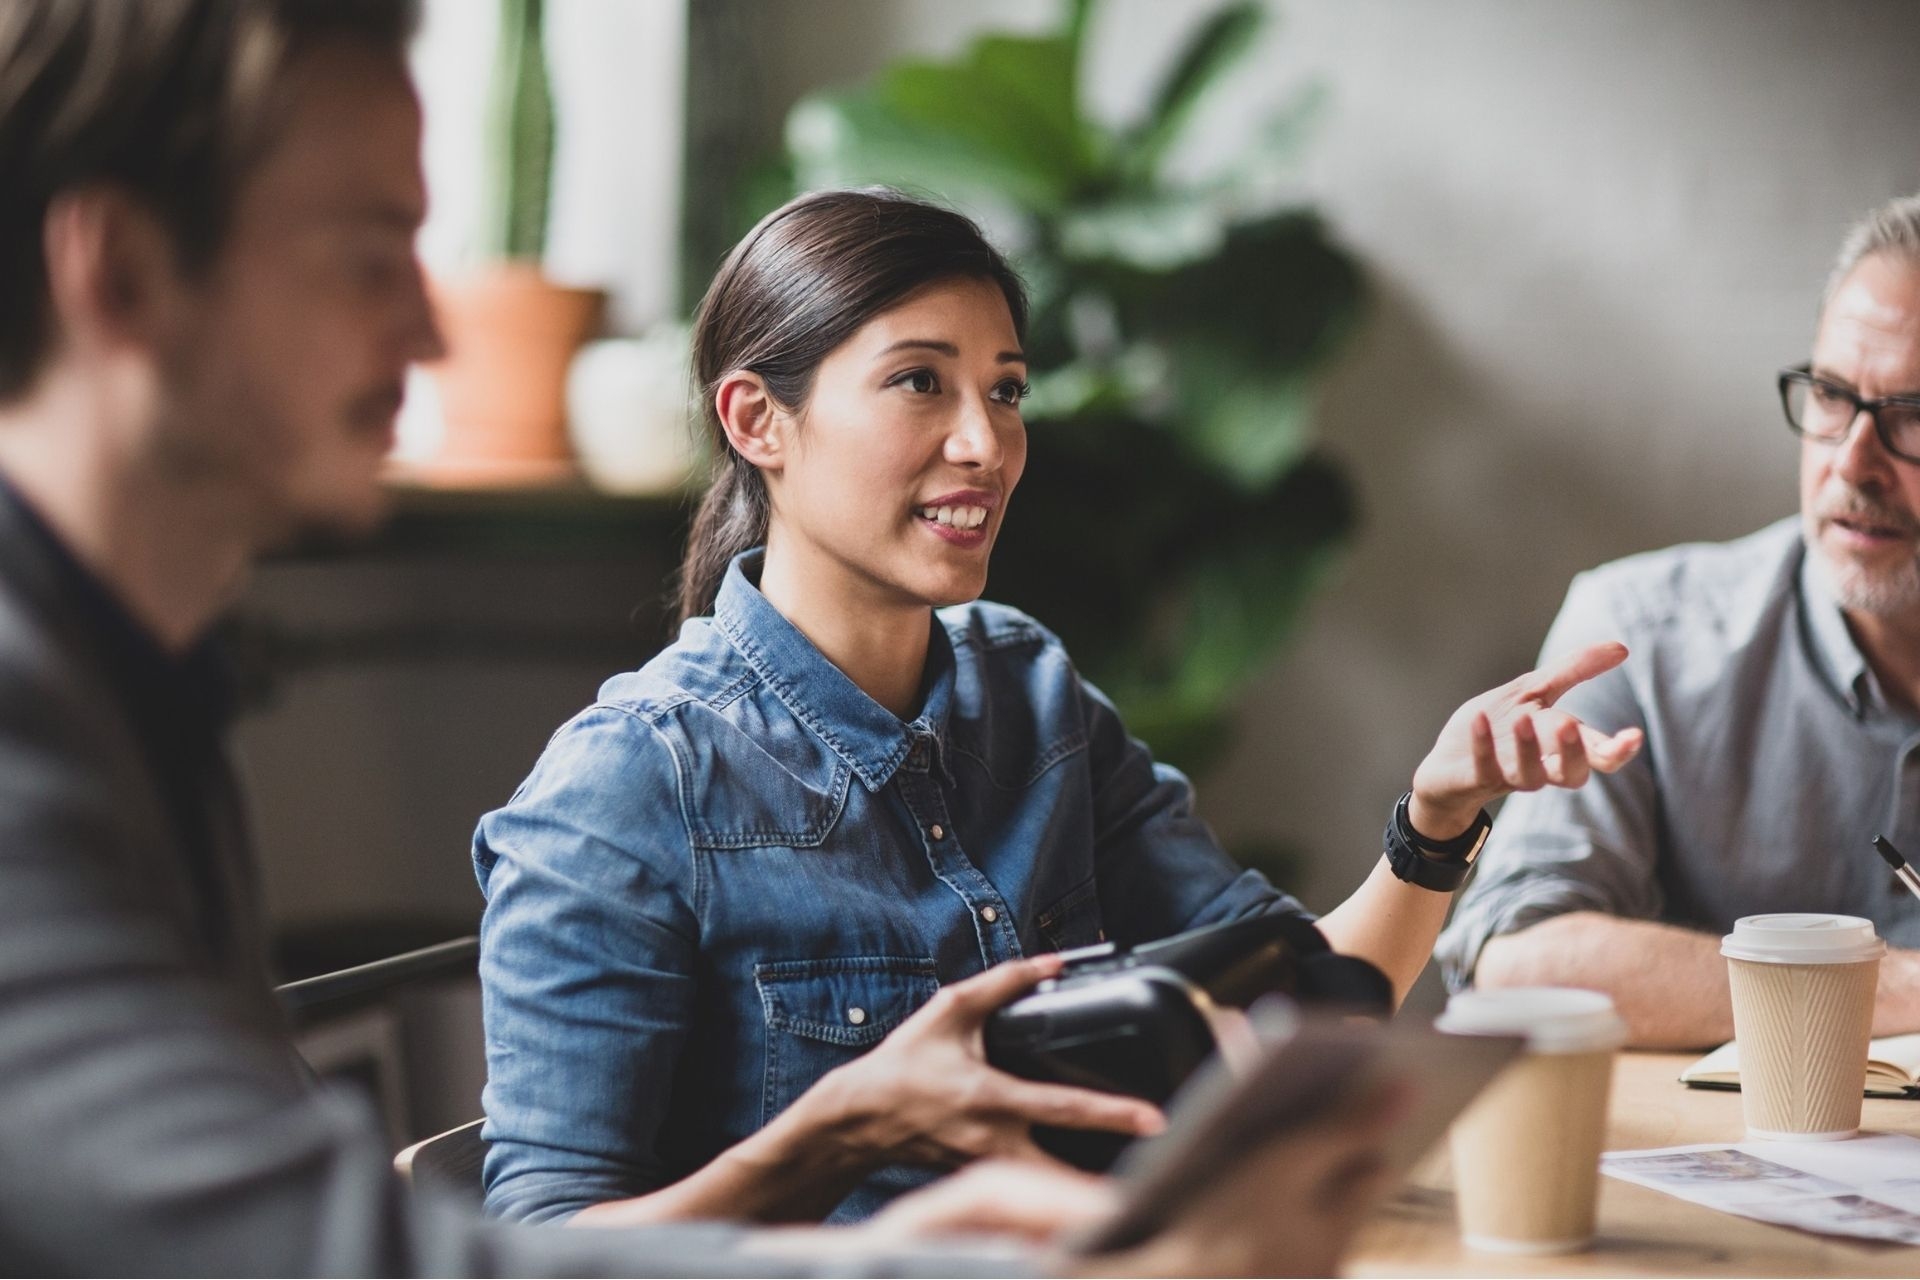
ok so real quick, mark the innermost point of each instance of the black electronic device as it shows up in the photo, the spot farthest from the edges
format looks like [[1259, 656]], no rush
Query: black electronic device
[[1141, 1020]]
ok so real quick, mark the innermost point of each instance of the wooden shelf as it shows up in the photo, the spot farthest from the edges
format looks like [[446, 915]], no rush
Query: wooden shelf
[[568, 517]]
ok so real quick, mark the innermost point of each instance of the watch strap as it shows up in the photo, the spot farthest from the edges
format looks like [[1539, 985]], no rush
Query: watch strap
[[1440, 865]]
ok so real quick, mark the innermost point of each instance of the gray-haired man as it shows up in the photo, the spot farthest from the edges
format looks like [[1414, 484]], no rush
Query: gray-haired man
[[1778, 681]]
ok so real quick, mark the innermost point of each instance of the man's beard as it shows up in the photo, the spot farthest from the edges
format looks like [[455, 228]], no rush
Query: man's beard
[[1879, 591]]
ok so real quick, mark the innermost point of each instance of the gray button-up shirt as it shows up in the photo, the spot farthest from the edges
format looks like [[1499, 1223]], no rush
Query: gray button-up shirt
[[1772, 758]]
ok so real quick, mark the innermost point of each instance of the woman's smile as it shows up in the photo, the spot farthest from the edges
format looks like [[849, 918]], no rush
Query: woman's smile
[[959, 518]]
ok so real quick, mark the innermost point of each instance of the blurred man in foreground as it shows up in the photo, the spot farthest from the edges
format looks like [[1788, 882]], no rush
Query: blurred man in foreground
[[210, 304], [1778, 681]]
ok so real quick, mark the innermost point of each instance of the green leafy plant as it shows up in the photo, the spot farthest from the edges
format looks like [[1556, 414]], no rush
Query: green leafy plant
[[1175, 517], [521, 133]]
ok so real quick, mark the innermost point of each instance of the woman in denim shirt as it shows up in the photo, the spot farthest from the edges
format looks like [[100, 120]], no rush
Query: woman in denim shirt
[[848, 783]]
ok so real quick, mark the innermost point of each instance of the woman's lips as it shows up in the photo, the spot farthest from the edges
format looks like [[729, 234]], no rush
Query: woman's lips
[[958, 537]]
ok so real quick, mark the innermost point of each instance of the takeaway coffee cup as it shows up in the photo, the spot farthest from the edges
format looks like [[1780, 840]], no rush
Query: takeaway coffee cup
[[1526, 1154], [1803, 989]]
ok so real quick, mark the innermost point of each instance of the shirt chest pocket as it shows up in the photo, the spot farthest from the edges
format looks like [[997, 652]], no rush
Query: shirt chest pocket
[[1074, 920], [823, 1013]]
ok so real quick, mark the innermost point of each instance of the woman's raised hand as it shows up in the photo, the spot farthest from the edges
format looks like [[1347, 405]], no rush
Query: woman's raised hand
[[1513, 738], [926, 1095]]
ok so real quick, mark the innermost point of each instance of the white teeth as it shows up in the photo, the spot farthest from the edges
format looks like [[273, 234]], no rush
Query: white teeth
[[955, 517]]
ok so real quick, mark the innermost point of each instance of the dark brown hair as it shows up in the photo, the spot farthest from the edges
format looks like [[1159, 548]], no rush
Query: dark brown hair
[[170, 100], [801, 283]]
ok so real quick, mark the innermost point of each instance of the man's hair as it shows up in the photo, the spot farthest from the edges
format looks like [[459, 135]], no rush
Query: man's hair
[[172, 101], [1893, 228]]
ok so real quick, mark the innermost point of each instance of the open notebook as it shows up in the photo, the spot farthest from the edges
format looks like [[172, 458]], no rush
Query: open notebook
[[1893, 1068]]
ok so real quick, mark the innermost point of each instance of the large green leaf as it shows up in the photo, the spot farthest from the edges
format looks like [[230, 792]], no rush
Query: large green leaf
[[1250, 426], [1279, 293], [1011, 95], [854, 140], [1001, 120], [1221, 41], [1156, 232]]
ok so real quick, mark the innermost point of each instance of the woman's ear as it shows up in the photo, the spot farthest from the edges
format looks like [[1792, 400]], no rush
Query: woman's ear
[[756, 425]]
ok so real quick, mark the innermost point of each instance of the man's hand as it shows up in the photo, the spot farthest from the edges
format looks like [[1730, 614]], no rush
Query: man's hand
[[1513, 739], [926, 1095]]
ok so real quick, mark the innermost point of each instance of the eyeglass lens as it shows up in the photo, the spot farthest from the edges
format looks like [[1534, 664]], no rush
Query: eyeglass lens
[[1825, 412]]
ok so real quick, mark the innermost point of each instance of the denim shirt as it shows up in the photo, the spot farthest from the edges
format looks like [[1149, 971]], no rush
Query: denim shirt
[[735, 871]]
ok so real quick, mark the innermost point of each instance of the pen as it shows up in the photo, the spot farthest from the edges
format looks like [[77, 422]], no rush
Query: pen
[[1901, 870]]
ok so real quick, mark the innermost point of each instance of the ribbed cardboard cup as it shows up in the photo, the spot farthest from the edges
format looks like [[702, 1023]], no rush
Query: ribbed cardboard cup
[[1803, 987], [1526, 1154]]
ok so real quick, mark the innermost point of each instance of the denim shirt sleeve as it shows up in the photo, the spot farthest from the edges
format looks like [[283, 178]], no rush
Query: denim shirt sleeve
[[1160, 869], [1556, 851], [587, 954]]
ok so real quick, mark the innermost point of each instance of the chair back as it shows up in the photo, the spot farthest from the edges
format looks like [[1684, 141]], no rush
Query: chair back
[[448, 1163]]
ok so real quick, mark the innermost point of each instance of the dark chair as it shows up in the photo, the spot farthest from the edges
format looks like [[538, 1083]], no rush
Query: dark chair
[[447, 1162], [363, 983]]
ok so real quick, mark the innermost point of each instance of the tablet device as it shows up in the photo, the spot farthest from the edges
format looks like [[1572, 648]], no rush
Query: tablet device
[[1309, 1065]]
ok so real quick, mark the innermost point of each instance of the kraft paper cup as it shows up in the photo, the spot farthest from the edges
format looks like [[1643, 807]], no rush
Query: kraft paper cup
[[1526, 1154], [1803, 987]]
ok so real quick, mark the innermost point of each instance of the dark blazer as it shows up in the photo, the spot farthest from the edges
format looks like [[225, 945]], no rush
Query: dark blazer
[[153, 1116]]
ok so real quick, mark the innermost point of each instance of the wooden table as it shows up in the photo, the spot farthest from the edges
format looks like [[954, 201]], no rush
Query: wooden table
[[1642, 1232]]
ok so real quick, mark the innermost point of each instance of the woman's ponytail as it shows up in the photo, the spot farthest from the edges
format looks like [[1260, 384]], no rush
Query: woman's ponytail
[[731, 518]]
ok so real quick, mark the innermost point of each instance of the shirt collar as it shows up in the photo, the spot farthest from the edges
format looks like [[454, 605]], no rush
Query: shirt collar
[[157, 688], [1833, 643], [871, 739]]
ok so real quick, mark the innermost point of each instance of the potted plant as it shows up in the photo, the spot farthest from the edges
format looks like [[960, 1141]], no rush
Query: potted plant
[[511, 332], [1175, 516]]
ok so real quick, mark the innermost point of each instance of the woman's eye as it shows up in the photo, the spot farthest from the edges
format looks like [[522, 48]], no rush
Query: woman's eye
[[1012, 391], [920, 381]]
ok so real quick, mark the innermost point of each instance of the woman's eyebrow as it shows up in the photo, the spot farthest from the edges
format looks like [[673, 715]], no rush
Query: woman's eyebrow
[[947, 349]]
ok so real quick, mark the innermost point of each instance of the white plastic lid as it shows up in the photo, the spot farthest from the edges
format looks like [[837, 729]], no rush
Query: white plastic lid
[[1807, 937], [1553, 1019]]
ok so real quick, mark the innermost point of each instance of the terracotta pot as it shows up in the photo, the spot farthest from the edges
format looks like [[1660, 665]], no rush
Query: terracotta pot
[[511, 336]]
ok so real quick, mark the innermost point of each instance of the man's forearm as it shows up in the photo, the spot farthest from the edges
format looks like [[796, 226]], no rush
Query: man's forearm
[[1669, 983], [1896, 1006]]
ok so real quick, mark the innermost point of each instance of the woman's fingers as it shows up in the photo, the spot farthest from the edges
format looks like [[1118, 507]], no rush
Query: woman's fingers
[[1611, 751], [1523, 766], [1563, 748], [1069, 1108], [1486, 758], [973, 999], [1546, 687]]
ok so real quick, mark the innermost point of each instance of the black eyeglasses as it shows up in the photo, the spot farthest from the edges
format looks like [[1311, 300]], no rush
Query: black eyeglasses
[[1824, 411]]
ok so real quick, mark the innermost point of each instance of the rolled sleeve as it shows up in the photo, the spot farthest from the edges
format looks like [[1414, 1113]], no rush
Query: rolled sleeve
[[1556, 851], [587, 952]]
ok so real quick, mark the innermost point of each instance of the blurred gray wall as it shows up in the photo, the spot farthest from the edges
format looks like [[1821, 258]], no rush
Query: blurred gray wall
[[1595, 229]]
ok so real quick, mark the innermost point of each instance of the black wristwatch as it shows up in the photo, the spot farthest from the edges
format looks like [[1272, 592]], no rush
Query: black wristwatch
[[1440, 865]]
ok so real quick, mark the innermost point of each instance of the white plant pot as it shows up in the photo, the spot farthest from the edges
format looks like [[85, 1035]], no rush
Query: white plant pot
[[629, 404]]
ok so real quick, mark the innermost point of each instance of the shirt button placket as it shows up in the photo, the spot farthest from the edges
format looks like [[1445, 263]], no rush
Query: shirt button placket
[[950, 861]]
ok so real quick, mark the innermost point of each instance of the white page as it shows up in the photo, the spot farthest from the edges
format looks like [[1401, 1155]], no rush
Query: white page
[[1867, 1187]]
